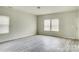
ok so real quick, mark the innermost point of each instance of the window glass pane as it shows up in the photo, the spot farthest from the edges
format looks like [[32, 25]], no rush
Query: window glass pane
[[4, 20], [4, 24], [47, 25], [4, 29], [55, 25]]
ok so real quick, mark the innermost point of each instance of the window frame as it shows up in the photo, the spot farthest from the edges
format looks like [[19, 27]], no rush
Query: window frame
[[57, 25], [4, 24], [51, 25], [46, 26]]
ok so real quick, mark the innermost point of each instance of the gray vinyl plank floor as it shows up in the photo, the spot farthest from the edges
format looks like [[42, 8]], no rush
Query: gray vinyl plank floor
[[40, 43]]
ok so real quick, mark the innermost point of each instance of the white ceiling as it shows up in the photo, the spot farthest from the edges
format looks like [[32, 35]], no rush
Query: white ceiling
[[44, 9]]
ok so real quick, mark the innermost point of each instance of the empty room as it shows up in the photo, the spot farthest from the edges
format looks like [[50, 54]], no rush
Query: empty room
[[39, 29]]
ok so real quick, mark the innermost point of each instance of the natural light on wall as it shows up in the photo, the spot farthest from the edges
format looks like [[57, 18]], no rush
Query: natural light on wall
[[51, 25], [4, 24]]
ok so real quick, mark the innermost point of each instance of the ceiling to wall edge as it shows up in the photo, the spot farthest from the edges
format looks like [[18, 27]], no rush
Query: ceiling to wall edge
[[10, 7]]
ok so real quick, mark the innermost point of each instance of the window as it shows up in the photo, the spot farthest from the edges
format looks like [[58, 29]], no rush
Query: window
[[47, 25], [55, 25], [51, 25], [4, 24]]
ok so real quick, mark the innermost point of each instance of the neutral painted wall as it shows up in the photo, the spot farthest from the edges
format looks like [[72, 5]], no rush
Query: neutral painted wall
[[21, 24], [77, 33], [67, 24]]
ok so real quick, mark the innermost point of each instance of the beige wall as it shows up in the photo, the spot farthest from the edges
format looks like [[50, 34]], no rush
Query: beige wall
[[67, 24], [21, 24], [77, 36]]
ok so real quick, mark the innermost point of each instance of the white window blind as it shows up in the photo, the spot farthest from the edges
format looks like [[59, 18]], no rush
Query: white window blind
[[4, 24]]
